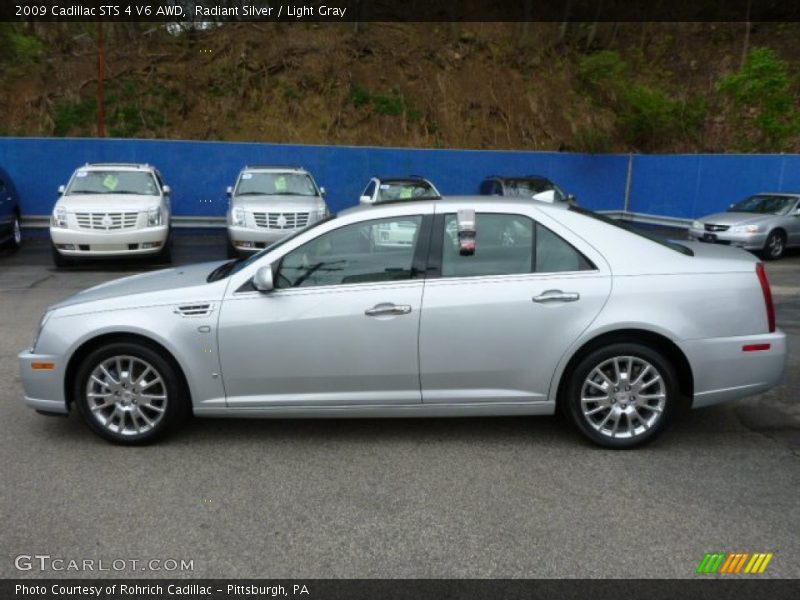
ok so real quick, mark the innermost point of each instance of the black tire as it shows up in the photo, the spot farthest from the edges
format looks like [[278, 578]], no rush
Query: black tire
[[176, 407], [774, 246], [59, 259], [165, 256], [625, 403], [15, 241], [231, 250]]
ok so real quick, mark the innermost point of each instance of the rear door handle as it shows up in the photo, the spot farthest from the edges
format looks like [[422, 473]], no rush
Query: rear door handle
[[387, 308], [557, 296]]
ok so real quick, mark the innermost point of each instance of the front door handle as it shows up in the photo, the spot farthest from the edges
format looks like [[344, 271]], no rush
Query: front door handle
[[557, 296], [387, 308]]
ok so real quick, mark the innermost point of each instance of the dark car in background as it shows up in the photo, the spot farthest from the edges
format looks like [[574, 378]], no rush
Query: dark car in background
[[526, 186], [10, 214]]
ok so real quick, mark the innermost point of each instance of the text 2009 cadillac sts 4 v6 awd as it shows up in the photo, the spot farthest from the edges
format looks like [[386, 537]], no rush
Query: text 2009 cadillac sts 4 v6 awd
[[497, 307]]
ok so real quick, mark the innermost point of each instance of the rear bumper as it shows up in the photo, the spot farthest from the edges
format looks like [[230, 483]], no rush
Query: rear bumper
[[44, 389], [117, 243], [748, 241], [724, 371]]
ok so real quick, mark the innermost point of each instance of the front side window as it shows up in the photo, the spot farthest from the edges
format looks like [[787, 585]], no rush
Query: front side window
[[367, 252], [275, 184], [113, 182], [508, 244]]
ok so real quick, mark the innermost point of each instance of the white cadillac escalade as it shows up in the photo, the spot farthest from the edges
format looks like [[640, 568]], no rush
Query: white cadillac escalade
[[112, 210]]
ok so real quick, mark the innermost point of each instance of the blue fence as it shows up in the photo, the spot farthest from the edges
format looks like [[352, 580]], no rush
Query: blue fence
[[682, 186]]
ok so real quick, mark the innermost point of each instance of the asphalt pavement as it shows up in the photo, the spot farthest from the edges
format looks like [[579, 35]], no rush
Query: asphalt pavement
[[481, 497]]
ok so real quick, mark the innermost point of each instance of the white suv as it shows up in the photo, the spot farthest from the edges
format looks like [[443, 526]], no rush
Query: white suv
[[268, 203], [112, 209]]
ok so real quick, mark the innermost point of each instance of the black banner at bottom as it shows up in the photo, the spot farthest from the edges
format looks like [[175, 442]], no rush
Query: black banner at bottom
[[398, 589]]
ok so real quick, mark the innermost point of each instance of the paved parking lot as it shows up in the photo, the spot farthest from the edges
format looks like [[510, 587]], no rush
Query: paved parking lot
[[498, 497]]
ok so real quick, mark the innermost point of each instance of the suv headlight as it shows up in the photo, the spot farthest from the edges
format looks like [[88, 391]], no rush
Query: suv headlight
[[42, 322], [59, 217], [154, 217], [237, 217], [746, 229], [697, 224]]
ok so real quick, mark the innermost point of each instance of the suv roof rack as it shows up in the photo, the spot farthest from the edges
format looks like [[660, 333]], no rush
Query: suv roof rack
[[295, 167], [117, 164]]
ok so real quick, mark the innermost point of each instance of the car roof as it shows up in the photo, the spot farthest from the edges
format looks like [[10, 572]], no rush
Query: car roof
[[791, 194], [506, 177], [275, 168], [444, 203], [409, 178], [119, 166]]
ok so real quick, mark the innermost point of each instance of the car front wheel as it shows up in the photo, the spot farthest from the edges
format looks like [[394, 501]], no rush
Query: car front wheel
[[623, 395], [15, 242], [774, 246], [129, 394]]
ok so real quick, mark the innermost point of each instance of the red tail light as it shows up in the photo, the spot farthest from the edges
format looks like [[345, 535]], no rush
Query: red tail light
[[762, 279]]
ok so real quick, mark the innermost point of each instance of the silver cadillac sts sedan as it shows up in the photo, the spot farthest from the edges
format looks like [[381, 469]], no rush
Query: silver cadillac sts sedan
[[497, 307]]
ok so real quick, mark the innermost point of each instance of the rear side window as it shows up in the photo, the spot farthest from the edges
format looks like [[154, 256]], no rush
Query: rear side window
[[509, 244]]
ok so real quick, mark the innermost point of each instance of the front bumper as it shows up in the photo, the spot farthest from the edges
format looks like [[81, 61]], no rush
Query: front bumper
[[44, 388], [93, 243], [247, 239], [748, 241], [723, 370]]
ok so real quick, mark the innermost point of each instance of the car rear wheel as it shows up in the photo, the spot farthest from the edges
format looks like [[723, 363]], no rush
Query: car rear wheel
[[774, 246], [623, 395], [15, 241], [129, 394]]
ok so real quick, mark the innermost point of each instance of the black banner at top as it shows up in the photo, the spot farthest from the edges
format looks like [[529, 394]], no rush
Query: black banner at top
[[184, 11]]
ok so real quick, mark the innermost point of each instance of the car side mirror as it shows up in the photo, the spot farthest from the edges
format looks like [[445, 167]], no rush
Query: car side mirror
[[797, 212], [61, 190], [262, 280], [466, 231], [322, 192], [229, 191], [167, 190], [365, 200], [546, 196], [571, 198]]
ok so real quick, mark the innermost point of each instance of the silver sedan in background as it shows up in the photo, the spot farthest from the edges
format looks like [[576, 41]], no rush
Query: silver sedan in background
[[764, 223], [497, 307]]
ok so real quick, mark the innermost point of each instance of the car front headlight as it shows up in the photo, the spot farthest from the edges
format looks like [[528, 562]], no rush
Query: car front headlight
[[154, 217], [697, 224], [39, 329], [59, 217], [746, 229], [237, 217]]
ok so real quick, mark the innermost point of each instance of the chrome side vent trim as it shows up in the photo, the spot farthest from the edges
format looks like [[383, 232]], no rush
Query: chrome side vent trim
[[194, 310]]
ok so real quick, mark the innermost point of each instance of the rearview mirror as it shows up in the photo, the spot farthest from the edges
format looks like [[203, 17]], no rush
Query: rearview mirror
[[466, 231], [167, 190], [262, 280], [229, 191], [61, 190], [546, 196], [365, 200]]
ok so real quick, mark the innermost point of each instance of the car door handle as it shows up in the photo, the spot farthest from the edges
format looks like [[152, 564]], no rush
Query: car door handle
[[387, 308], [557, 296]]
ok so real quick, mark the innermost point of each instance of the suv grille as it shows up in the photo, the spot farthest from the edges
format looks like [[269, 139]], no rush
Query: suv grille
[[717, 227], [107, 221], [281, 220]]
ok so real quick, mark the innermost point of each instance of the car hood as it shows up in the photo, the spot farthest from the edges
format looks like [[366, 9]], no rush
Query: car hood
[[157, 281], [107, 202], [735, 218], [279, 203]]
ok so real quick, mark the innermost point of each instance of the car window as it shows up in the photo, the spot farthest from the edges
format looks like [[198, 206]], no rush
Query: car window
[[275, 184], [370, 189], [405, 190], [504, 245], [113, 182], [366, 252], [554, 254]]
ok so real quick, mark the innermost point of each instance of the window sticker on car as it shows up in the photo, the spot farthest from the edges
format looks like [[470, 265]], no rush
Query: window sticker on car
[[81, 173], [111, 182], [247, 176]]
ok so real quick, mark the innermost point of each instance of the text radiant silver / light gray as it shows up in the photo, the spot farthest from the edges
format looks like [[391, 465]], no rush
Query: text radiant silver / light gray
[[555, 306]]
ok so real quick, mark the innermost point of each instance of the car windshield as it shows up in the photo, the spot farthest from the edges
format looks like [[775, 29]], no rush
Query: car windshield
[[113, 182], [765, 205], [234, 266], [406, 190], [525, 188], [669, 244], [275, 184]]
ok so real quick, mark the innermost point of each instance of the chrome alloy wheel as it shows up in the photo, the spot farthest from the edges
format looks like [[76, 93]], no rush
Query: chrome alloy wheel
[[775, 245], [17, 233], [623, 397], [126, 395]]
